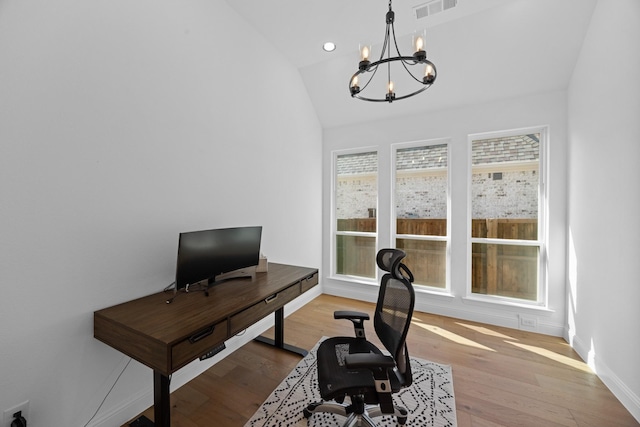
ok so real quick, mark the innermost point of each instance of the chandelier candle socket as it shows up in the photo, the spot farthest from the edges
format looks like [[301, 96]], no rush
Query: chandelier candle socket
[[390, 95], [366, 68], [365, 51]]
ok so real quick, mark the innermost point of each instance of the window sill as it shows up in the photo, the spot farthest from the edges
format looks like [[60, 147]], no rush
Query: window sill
[[506, 303], [354, 279], [422, 290], [418, 289]]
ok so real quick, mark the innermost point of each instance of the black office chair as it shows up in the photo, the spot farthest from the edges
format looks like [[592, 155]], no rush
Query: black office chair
[[355, 368]]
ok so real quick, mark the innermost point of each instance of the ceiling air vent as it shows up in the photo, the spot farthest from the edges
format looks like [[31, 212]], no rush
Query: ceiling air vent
[[433, 7]]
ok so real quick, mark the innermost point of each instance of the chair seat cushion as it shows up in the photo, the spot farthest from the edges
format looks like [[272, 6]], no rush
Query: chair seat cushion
[[335, 379]]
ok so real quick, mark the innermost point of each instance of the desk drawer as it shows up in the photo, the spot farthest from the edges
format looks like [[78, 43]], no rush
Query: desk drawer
[[260, 310], [308, 283], [198, 344]]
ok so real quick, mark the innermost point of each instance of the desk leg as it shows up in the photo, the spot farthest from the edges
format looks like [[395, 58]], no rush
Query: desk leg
[[161, 404], [279, 336]]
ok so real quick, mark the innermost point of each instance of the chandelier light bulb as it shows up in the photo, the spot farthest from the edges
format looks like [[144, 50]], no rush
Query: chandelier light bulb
[[419, 44], [365, 53], [428, 70], [429, 74], [390, 87], [354, 88]]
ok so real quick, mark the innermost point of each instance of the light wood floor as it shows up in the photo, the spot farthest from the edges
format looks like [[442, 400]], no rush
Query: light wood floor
[[501, 376]]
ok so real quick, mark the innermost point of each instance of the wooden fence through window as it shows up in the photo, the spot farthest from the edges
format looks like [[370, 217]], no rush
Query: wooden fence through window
[[497, 269]]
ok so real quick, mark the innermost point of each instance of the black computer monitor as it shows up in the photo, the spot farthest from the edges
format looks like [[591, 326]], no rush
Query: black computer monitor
[[208, 254]]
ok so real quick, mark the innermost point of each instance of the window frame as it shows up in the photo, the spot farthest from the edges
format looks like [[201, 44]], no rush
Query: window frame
[[334, 220], [393, 220], [543, 218]]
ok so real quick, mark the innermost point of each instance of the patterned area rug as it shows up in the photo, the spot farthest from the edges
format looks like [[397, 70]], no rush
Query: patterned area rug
[[429, 399]]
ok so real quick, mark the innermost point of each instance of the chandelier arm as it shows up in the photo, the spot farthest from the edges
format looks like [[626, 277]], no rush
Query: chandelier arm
[[395, 41], [410, 73], [405, 60], [373, 66], [369, 99], [422, 89], [395, 58], [389, 56], [384, 44]]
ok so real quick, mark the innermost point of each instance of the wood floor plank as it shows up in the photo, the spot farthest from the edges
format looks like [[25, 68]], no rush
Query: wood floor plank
[[484, 412], [502, 377], [530, 407]]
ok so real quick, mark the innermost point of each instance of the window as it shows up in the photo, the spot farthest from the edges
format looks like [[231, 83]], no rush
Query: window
[[507, 196], [356, 203], [421, 196]]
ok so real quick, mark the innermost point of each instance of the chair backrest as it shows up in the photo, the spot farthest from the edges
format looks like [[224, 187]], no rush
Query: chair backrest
[[394, 309]]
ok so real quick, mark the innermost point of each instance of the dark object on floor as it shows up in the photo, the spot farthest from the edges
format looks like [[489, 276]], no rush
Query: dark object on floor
[[142, 422]]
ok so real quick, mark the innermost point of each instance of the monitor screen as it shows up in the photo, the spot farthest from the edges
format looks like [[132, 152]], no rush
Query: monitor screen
[[203, 255]]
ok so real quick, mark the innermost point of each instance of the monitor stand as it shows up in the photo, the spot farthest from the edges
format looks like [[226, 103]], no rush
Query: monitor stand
[[204, 285], [243, 273], [249, 272]]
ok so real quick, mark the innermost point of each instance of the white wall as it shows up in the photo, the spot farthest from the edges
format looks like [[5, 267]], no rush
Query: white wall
[[604, 199], [123, 123], [543, 109]]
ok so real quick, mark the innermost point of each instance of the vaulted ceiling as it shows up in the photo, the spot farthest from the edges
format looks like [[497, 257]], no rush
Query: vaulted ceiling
[[484, 50]]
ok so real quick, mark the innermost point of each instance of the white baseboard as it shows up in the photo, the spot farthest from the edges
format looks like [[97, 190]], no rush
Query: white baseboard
[[627, 397]]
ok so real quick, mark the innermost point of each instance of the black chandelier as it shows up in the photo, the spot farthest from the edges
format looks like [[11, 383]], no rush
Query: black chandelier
[[366, 67]]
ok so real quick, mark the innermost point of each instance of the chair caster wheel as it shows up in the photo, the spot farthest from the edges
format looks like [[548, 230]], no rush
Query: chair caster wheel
[[402, 419]]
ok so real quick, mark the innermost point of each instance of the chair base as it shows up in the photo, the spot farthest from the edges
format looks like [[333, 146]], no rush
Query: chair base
[[355, 419]]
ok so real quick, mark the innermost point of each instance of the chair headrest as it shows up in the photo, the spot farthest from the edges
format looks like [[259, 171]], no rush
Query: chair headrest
[[390, 260]]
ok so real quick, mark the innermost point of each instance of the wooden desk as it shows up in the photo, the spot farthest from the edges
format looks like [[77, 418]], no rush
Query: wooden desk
[[166, 337]]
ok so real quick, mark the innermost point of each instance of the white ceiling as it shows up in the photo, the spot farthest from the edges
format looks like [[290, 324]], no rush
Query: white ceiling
[[484, 50]]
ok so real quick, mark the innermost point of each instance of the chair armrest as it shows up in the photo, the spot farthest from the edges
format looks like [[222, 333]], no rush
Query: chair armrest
[[369, 361], [343, 314], [356, 317]]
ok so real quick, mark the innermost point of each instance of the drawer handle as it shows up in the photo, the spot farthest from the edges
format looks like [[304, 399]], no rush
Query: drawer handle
[[271, 298], [202, 334]]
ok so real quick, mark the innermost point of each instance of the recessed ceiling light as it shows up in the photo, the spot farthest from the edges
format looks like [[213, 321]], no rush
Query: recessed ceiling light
[[329, 47]]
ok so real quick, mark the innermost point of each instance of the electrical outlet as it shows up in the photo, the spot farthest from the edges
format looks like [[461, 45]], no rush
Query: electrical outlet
[[8, 413], [528, 322]]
